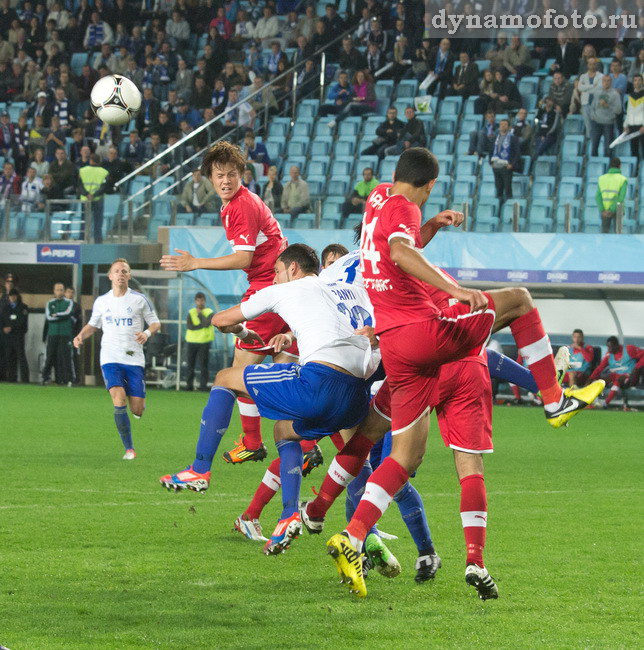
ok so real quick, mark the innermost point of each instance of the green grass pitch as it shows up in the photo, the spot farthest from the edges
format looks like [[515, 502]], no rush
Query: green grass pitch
[[95, 554]]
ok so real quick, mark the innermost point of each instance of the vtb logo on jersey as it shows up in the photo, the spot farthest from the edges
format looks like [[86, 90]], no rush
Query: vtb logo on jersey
[[126, 322]]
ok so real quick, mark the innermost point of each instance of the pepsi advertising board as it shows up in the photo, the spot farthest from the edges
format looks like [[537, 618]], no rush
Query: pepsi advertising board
[[58, 253]]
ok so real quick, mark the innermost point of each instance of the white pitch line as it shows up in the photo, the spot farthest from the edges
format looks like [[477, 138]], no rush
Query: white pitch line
[[108, 504]]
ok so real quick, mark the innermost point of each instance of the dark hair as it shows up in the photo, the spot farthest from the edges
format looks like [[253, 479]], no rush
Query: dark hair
[[612, 339], [337, 249], [615, 162], [15, 292], [578, 331], [223, 153], [357, 233], [200, 294], [416, 166], [305, 257]]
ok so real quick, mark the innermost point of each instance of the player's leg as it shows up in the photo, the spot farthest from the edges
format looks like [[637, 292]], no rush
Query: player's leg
[[515, 308], [190, 365], [215, 419], [50, 357], [204, 357], [122, 419], [508, 370]]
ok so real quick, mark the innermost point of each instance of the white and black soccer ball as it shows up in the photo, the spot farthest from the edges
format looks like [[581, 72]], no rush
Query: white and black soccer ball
[[115, 99]]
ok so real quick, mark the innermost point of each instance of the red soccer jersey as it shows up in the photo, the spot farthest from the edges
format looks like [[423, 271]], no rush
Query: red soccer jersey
[[397, 298], [251, 226]]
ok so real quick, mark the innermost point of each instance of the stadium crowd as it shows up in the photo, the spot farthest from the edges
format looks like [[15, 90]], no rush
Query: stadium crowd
[[193, 60]]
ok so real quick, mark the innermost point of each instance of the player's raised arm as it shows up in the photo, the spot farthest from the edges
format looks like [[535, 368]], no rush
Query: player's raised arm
[[445, 218], [230, 321], [187, 262]]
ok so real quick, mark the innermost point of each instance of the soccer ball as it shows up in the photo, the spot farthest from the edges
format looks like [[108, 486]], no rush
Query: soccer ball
[[115, 99]]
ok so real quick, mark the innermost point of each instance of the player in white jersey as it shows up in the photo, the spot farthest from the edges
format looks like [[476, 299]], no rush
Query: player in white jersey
[[323, 393], [122, 314]]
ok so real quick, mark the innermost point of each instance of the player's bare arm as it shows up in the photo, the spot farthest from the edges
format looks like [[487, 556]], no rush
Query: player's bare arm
[[445, 218], [85, 333], [412, 262], [185, 261], [282, 341], [230, 321], [142, 337]]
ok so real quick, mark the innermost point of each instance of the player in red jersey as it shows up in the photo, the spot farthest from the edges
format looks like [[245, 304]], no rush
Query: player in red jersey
[[257, 240], [417, 338]]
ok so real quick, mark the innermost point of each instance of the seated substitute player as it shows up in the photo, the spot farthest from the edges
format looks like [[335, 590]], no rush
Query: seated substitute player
[[121, 313], [257, 240], [581, 359], [417, 338], [624, 364], [326, 392]]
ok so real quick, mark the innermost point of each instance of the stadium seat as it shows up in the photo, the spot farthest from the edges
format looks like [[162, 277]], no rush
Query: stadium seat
[[487, 208], [317, 167], [466, 166], [569, 188], [406, 88], [487, 190], [341, 167], [338, 187], [545, 166], [352, 221], [302, 127], [384, 89], [591, 220], [369, 130], [528, 86], [543, 187], [304, 220], [316, 185], [344, 148], [275, 147], [321, 147], [464, 188], [595, 167], [629, 166], [573, 145], [446, 125], [442, 144], [328, 224], [519, 186], [450, 107], [350, 126], [485, 224], [574, 125], [296, 148], [321, 127], [571, 167], [445, 163]]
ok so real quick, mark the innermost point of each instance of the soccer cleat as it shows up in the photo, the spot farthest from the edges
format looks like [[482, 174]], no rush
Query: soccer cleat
[[348, 562], [387, 536], [186, 479], [575, 401], [130, 454], [240, 454], [285, 532], [426, 567], [382, 559], [250, 528], [562, 362], [314, 526], [312, 459], [482, 581]]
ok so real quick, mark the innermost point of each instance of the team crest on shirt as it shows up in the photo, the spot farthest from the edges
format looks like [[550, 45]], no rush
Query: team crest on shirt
[[129, 310]]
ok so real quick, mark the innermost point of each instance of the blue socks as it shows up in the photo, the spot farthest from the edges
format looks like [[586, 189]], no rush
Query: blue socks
[[503, 368], [123, 426], [355, 490], [214, 422], [291, 459], [413, 513]]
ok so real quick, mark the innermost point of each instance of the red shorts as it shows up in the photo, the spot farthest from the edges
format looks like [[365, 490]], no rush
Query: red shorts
[[464, 408], [413, 355], [267, 326]]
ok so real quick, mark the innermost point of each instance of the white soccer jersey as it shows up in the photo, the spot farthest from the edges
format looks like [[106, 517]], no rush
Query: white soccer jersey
[[323, 317], [120, 319], [345, 269]]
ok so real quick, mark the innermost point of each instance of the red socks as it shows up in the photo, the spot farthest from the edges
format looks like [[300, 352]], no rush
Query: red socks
[[474, 516], [265, 492], [251, 423], [307, 445], [611, 393], [534, 347], [343, 469], [378, 493], [516, 391]]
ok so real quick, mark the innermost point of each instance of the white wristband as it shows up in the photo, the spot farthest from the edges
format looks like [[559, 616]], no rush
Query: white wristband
[[243, 333], [148, 333]]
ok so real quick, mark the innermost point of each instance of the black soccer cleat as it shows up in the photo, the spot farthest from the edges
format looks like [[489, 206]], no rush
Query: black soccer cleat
[[479, 578], [426, 567], [312, 459]]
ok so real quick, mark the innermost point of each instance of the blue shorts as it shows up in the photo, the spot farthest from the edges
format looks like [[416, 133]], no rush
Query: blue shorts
[[318, 399], [132, 378], [380, 451]]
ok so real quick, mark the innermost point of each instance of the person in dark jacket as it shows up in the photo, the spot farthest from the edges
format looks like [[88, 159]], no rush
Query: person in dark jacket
[[387, 134], [413, 134], [441, 63], [58, 334], [505, 159], [566, 56], [14, 322], [77, 326], [547, 126], [506, 94], [466, 78]]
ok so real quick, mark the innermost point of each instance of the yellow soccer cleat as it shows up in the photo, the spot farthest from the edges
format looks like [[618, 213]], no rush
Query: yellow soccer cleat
[[348, 562], [575, 400]]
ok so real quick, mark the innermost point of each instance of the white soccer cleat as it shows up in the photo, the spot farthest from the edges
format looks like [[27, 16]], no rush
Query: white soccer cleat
[[562, 362], [250, 528], [387, 536], [313, 526], [130, 454], [479, 578]]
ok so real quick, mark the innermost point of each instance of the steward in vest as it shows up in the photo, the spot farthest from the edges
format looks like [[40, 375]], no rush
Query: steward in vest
[[199, 334], [92, 184], [611, 190]]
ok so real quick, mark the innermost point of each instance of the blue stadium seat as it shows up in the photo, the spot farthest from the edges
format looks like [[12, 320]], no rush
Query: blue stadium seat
[[487, 190], [573, 145], [519, 186], [464, 188], [341, 167], [344, 148], [466, 166], [279, 127], [543, 187], [338, 187], [321, 127], [307, 108], [485, 224], [328, 224], [450, 106], [384, 89], [595, 167], [469, 106], [569, 188], [302, 127], [574, 125], [321, 146], [350, 126], [487, 208], [545, 166], [387, 167], [442, 144], [296, 148], [571, 167], [445, 163], [629, 166], [275, 147], [442, 187], [352, 221], [304, 220], [471, 123], [591, 220], [331, 206], [317, 185], [318, 167], [446, 125], [370, 126], [433, 206], [406, 88], [528, 86]]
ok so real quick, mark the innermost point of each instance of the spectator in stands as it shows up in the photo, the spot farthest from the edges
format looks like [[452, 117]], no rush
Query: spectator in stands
[[64, 109], [496, 55], [507, 94], [40, 108], [624, 364], [581, 359], [92, 185], [586, 86], [14, 322], [201, 96], [547, 122], [303, 50], [83, 158], [31, 192], [522, 128], [516, 59], [249, 182], [243, 115], [482, 140], [351, 59], [380, 37], [387, 134], [78, 142], [505, 159], [63, 171], [116, 167], [412, 134], [265, 98], [50, 191], [611, 191], [566, 56], [189, 114], [440, 65], [39, 163], [375, 58], [267, 26], [295, 196], [637, 67], [98, 32], [153, 148], [165, 126], [466, 78], [273, 190], [401, 59], [10, 184], [321, 38], [256, 153], [7, 135], [334, 24], [561, 92], [307, 81], [618, 78], [340, 94], [634, 121], [197, 195], [606, 106], [275, 56], [487, 94], [183, 80], [306, 23], [356, 202], [134, 151], [177, 30], [199, 334]]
